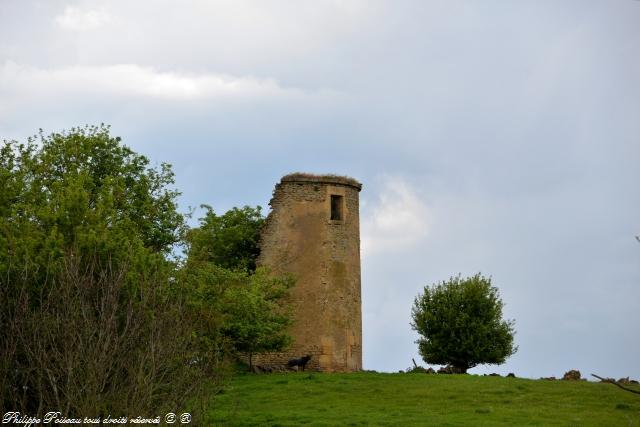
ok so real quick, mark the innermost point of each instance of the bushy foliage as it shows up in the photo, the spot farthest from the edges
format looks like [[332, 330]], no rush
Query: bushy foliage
[[460, 323], [258, 314], [93, 320], [229, 240], [98, 316], [81, 193], [93, 347], [221, 264]]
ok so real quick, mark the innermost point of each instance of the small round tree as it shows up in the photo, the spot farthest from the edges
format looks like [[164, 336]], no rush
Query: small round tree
[[460, 323]]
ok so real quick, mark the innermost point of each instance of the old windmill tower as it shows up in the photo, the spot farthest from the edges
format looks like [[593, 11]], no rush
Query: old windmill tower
[[313, 232]]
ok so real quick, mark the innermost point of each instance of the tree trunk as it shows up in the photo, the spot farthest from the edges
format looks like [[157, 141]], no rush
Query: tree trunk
[[459, 369]]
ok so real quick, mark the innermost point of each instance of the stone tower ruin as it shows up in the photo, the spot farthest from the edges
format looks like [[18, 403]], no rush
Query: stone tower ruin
[[313, 232]]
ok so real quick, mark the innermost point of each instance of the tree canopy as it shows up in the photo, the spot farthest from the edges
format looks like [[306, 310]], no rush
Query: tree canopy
[[81, 190], [92, 319], [258, 314], [254, 304], [98, 316], [460, 324], [229, 240]]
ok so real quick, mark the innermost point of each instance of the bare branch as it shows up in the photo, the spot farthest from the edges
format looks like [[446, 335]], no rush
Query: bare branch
[[614, 382]]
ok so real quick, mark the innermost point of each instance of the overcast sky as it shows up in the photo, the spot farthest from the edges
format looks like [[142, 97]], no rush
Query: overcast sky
[[499, 137]]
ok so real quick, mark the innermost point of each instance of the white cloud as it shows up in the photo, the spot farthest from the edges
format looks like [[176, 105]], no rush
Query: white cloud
[[399, 220], [128, 80], [75, 19]]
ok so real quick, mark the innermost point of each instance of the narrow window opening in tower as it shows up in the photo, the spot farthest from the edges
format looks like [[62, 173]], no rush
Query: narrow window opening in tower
[[336, 208]]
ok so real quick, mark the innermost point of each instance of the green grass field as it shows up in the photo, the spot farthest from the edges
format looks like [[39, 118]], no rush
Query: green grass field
[[419, 399]]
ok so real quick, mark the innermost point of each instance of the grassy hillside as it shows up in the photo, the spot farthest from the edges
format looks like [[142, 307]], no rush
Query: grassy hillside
[[420, 399]]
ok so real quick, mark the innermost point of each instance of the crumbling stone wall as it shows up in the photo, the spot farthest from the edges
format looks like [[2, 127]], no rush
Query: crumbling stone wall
[[300, 237]]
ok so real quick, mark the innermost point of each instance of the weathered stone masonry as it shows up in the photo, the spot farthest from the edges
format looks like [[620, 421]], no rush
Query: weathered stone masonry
[[313, 232]]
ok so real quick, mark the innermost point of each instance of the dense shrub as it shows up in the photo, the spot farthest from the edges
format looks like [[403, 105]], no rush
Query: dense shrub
[[460, 323], [93, 318]]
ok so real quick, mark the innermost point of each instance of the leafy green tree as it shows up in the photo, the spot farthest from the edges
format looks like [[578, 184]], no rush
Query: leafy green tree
[[229, 240], [258, 314], [93, 319], [221, 262], [84, 191], [460, 323], [245, 313]]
